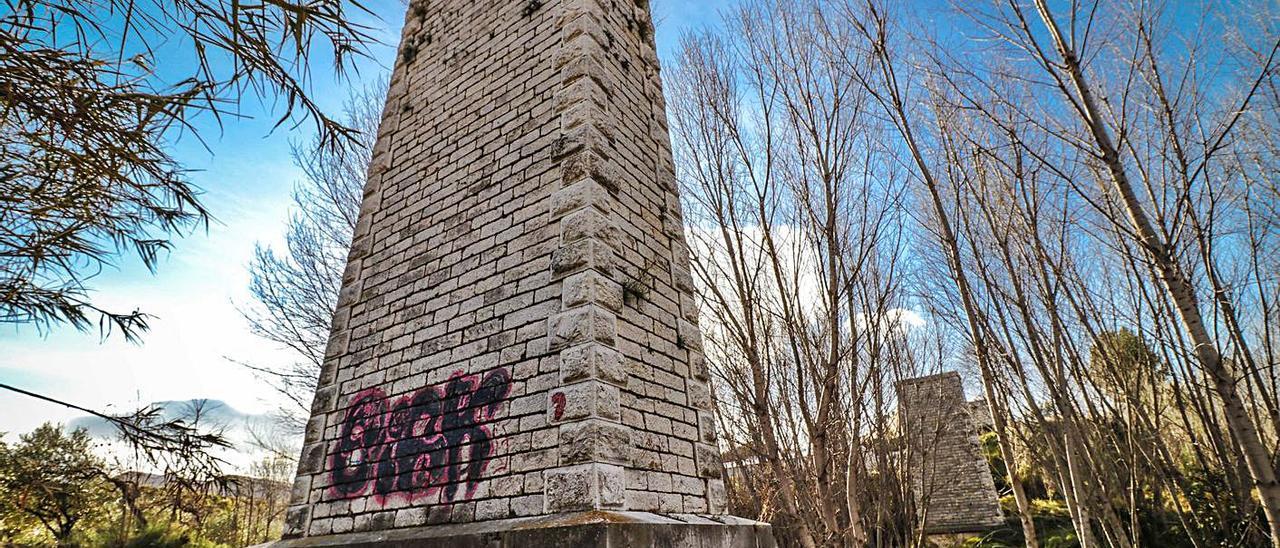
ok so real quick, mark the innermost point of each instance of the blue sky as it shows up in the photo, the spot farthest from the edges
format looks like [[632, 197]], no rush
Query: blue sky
[[247, 175]]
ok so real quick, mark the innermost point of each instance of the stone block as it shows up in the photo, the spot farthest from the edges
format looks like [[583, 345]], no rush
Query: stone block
[[586, 193], [591, 287], [573, 256], [529, 505], [699, 394], [313, 458], [301, 488], [706, 426], [594, 135], [569, 489], [342, 524], [590, 164], [583, 12], [582, 325], [493, 509], [589, 223], [708, 459], [589, 399], [410, 517], [296, 520], [644, 501], [587, 123], [682, 279], [698, 366], [585, 487], [717, 497], [320, 527], [582, 90], [594, 441], [592, 361], [689, 336]]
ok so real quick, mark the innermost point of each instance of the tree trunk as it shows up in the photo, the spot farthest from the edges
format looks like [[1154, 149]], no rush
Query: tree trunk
[[764, 420], [951, 247], [1000, 423], [1257, 457]]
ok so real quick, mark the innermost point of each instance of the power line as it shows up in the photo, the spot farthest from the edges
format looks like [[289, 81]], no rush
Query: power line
[[119, 422]]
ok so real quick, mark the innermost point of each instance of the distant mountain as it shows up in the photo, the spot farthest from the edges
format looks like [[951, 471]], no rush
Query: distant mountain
[[213, 415], [235, 484], [240, 428]]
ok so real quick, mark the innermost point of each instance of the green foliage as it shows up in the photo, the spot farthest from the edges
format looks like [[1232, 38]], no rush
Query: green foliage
[[16, 527], [1053, 525], [53, 478], [1222, 518], [989, 445], [159, 537], [1124, 365], [1050, 509], [55, 491]]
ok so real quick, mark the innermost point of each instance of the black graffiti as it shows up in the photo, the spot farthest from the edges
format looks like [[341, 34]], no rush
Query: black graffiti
[[436, 439]]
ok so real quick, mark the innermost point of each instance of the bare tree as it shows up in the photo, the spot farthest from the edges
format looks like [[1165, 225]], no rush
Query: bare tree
[[296, 290], [1108, 105], [1055, 265], [797, 221], [1106, 268], [869, 22]]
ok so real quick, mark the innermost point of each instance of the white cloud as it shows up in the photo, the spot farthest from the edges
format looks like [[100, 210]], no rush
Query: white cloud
[[895, 319]]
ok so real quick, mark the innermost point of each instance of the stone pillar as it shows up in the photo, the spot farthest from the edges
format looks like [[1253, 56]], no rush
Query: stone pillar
[[951, 481], [515, 356]]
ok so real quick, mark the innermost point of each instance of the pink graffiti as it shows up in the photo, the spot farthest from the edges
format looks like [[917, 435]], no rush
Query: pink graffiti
[[436, 439]]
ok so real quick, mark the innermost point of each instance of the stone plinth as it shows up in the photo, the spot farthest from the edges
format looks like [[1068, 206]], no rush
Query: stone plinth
[[594, 529], [516, 337]]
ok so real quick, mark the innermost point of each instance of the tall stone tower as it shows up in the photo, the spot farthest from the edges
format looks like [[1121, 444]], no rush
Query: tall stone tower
[[951, 481], [515, 358]]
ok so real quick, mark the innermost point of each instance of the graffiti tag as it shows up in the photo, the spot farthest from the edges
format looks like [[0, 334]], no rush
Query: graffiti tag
[[436, 439]]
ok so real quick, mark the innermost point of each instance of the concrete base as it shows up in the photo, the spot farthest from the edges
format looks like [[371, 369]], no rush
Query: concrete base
[[598, 529]]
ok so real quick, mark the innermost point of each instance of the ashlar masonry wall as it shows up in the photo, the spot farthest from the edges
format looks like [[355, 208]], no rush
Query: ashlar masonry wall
[[516, 331], [951, 481]]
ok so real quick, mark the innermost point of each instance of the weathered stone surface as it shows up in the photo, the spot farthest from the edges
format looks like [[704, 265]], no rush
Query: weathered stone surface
[[708, 459], [591, 287], [595, 441], [585, 400], [590, 223], [950, 478], [585, 487], [587, 324], [698, 394], [583, 254], [584, 193], [592, 361]]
